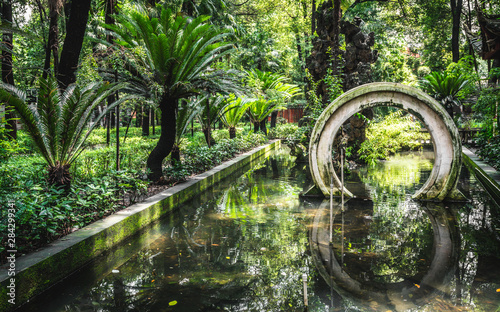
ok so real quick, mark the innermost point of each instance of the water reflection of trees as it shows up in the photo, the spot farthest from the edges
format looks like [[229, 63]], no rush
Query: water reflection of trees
[[244, 248], [399, 231], [463, 276]]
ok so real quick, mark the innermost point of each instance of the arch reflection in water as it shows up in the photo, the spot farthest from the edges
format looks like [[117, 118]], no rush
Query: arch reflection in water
[[359, 279]]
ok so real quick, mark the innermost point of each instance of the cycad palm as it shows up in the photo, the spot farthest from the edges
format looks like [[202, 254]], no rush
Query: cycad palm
[[58, 123], [273, 87], [234, 112], [176, 51], [445, 88], [211, 110], [259, 110]]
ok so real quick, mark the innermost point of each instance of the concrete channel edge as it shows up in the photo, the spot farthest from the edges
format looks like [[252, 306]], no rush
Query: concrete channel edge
[[487, 175], [39, 270]]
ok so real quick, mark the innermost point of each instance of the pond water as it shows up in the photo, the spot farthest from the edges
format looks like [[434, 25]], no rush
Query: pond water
[[245, 244]]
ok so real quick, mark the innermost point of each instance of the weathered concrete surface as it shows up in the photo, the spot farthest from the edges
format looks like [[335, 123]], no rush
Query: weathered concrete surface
[[443, 179], [487, 175], [38, 271]]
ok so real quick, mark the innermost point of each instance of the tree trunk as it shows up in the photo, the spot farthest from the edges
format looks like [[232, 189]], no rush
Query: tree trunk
[[108, 19], [337, 16], [168, 107], [232, 132], [263, 126], [313, 17], [53, 44], [208, 137], [7, 70], [456, 11], [77, 24], [145, 122], [274, 117], [60, 176], [256, 127]]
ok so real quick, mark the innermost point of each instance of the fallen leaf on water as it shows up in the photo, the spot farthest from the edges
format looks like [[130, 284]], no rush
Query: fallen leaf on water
[[172, 303]]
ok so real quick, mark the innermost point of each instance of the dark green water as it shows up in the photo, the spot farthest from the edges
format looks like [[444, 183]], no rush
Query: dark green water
[[244, 246]]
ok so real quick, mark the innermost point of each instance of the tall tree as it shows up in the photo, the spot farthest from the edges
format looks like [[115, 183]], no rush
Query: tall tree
[[52, 47], [177, 52], [75, 32], [7, 69], [456, 11]]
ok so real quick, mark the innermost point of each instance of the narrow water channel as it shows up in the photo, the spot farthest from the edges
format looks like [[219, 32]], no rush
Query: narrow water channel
[[244, 246]]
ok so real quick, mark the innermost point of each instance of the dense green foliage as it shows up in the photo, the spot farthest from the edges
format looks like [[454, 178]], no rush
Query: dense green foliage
[[393, 133]]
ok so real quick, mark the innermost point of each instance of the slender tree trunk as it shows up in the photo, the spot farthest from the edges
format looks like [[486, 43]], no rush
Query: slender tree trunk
[[108, 128], [117, 108], [138, 116], [145, 122], [456, 11], [128, 126], [7, 70], [208, 137], [494, 78], [153, 123], [77, 24], [169, 108], [313, 17]]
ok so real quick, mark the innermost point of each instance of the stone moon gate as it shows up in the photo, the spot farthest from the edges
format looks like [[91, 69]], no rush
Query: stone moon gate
[[442, 182]]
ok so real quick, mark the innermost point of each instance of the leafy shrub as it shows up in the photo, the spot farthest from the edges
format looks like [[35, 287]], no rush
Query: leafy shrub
[[96, 162], [7, 147], [395, 132], [44, 212], [490, 150], [197, 159], [283, 131]]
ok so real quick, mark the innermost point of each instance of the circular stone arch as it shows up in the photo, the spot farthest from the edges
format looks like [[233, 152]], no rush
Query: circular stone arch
[[443, 179]]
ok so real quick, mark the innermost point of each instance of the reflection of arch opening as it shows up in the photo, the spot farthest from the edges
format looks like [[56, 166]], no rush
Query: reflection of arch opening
[[447, 145], [387, 295]]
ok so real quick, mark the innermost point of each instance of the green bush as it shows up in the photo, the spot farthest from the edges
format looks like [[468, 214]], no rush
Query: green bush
[[8, 147], [44, 212], [490, 150], [283, 131], [197, 159], [390, 135]]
